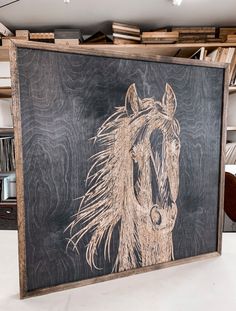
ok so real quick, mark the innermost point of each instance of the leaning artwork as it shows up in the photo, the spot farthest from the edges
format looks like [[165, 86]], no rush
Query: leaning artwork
[[120, 184], [120, 163]]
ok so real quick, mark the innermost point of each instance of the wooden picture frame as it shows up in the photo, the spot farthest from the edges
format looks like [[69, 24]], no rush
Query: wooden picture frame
[[18, 94]]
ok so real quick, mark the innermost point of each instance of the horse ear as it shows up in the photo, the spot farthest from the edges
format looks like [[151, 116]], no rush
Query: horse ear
[[169, 102], [132, 101]]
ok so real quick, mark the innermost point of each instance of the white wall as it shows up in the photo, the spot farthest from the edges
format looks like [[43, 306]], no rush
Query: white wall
[[5, 104], [5, 74], [231, 135], [5, 113]]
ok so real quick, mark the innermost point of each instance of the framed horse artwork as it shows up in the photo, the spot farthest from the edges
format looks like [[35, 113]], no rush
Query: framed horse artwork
[[120, 163]]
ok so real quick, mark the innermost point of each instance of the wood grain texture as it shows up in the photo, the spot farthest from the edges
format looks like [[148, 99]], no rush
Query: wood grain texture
[[62, 99]]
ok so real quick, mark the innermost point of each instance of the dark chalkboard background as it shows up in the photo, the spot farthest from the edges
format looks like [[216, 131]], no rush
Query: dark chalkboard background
[[64, 99]]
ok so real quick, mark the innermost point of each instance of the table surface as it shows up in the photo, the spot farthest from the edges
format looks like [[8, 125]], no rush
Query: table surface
[[205, 285]]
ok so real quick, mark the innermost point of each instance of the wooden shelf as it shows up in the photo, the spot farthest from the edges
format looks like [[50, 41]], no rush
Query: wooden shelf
[[6, 131], [5, 92], [231, 128]]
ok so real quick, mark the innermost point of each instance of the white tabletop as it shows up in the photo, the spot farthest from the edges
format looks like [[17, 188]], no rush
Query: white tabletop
[[205, 285]]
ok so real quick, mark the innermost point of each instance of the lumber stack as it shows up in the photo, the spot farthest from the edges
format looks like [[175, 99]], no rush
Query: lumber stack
[[125, 33], [160, 37], [196, 34], [227, 34]]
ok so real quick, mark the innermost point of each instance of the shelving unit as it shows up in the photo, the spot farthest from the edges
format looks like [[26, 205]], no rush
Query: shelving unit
[[8, 209]]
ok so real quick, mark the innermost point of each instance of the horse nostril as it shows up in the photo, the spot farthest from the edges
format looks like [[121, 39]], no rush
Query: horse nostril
[[155, 216]]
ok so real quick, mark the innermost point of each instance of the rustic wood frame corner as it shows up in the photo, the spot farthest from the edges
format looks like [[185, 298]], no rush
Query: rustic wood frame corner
[[19, 159]]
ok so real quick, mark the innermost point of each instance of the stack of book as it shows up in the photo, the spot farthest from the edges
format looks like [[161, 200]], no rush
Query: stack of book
[[125, 34], [231, 38], [160, 37], [7, 154], [196, 34]]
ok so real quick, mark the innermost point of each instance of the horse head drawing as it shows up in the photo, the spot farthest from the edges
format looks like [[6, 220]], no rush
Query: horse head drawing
[[133, 184]]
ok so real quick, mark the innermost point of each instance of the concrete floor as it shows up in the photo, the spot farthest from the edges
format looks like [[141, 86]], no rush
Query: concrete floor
[[205, 285]]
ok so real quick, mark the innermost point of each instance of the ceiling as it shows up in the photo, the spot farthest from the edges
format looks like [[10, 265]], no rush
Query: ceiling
[[93, 15]]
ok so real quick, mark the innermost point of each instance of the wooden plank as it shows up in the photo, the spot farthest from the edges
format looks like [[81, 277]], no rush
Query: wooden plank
[[158, 34], [22, 34], [6, 41], [5, 92], [67, 41]]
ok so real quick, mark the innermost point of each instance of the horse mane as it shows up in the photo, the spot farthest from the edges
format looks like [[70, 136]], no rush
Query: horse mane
[[100, 209]]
